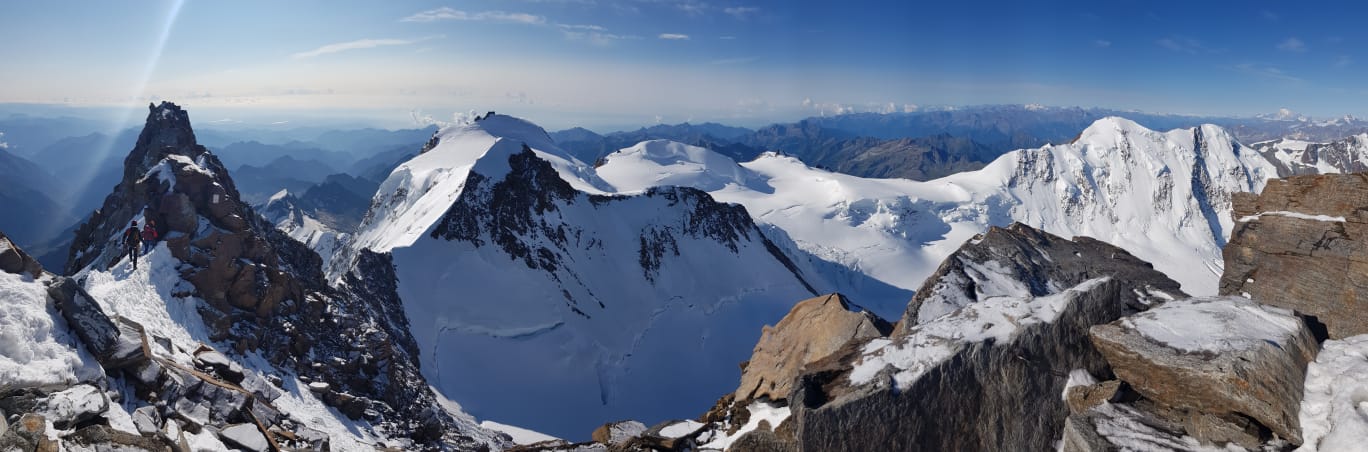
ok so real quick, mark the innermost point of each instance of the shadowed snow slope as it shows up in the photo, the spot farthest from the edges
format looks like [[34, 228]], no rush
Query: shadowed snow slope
[[529, 283], [1164, 196]]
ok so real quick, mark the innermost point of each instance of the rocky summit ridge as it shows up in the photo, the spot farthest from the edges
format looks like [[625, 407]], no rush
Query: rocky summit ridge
[[235, 322]]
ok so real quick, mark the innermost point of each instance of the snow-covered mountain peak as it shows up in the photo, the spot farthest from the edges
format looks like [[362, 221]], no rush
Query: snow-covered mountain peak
[[664, 162], [1284, 114], [418, 192]]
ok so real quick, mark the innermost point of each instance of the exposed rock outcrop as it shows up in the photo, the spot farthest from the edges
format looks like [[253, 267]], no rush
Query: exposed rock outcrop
[[261, 292], [618, 432], [814, 329], [1302, 244], [1025, 263], [1215, 361], [987, 376], [15, 260]]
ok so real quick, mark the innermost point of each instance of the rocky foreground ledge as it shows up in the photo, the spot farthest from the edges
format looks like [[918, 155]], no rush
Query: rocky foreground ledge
[[1027, 341]]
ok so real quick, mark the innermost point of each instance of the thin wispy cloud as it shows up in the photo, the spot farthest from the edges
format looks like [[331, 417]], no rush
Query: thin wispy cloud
[[1269, 15], [1184, 44], [1266, 71], [1292, 45], [1343, 61], [726, 38], [739, 60], [357, 45], [447, 13], [674, 36], [1101, 43], [581, 27], [692, 8], [596, 37], [741, 12]]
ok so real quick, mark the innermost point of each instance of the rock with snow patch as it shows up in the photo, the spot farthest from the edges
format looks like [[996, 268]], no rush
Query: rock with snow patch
[[1027, 262], [1108, 428], [814, 329], [147, 419], [195, 414], [97, 330], [1302, 244], [947, 382], [75, 406], [220, 365], [1222, 356], [617, 432], [676, 435], [245, 436]]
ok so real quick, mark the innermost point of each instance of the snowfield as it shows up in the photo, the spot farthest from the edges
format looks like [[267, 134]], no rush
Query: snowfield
[[626, 306], [1334, 410], [1163, 196], [36, 347]]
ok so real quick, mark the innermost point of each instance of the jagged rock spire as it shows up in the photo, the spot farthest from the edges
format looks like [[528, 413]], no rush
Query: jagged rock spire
[[166, 131]]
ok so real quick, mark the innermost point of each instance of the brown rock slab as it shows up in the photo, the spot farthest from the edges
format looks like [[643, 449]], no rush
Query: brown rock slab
[[1083, 397], [814, 329], [1222, 356], [1302, 244], [15, 260]]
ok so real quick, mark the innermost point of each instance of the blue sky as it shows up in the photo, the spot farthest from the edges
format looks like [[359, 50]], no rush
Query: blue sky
[[619, 63]]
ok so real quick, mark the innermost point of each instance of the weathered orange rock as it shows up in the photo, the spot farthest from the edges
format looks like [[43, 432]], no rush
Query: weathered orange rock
[[812, 330]]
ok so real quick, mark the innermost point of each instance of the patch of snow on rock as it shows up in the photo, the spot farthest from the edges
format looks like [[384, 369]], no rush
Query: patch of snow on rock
[[931, 343], [1214, 324]]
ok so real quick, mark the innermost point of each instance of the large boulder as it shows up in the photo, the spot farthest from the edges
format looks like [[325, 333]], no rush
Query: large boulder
[[1216, 360], [15, 260], [989, 374], [1302, 244], [814, 329], [86, 318], [75, 406], [244, 436]]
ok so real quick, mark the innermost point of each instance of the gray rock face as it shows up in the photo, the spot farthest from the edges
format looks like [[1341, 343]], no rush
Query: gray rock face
[[1103, 428], [999, 392], [147, 420], [87, 319], [1030, 261], [1302, 244], [1215, 357]]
